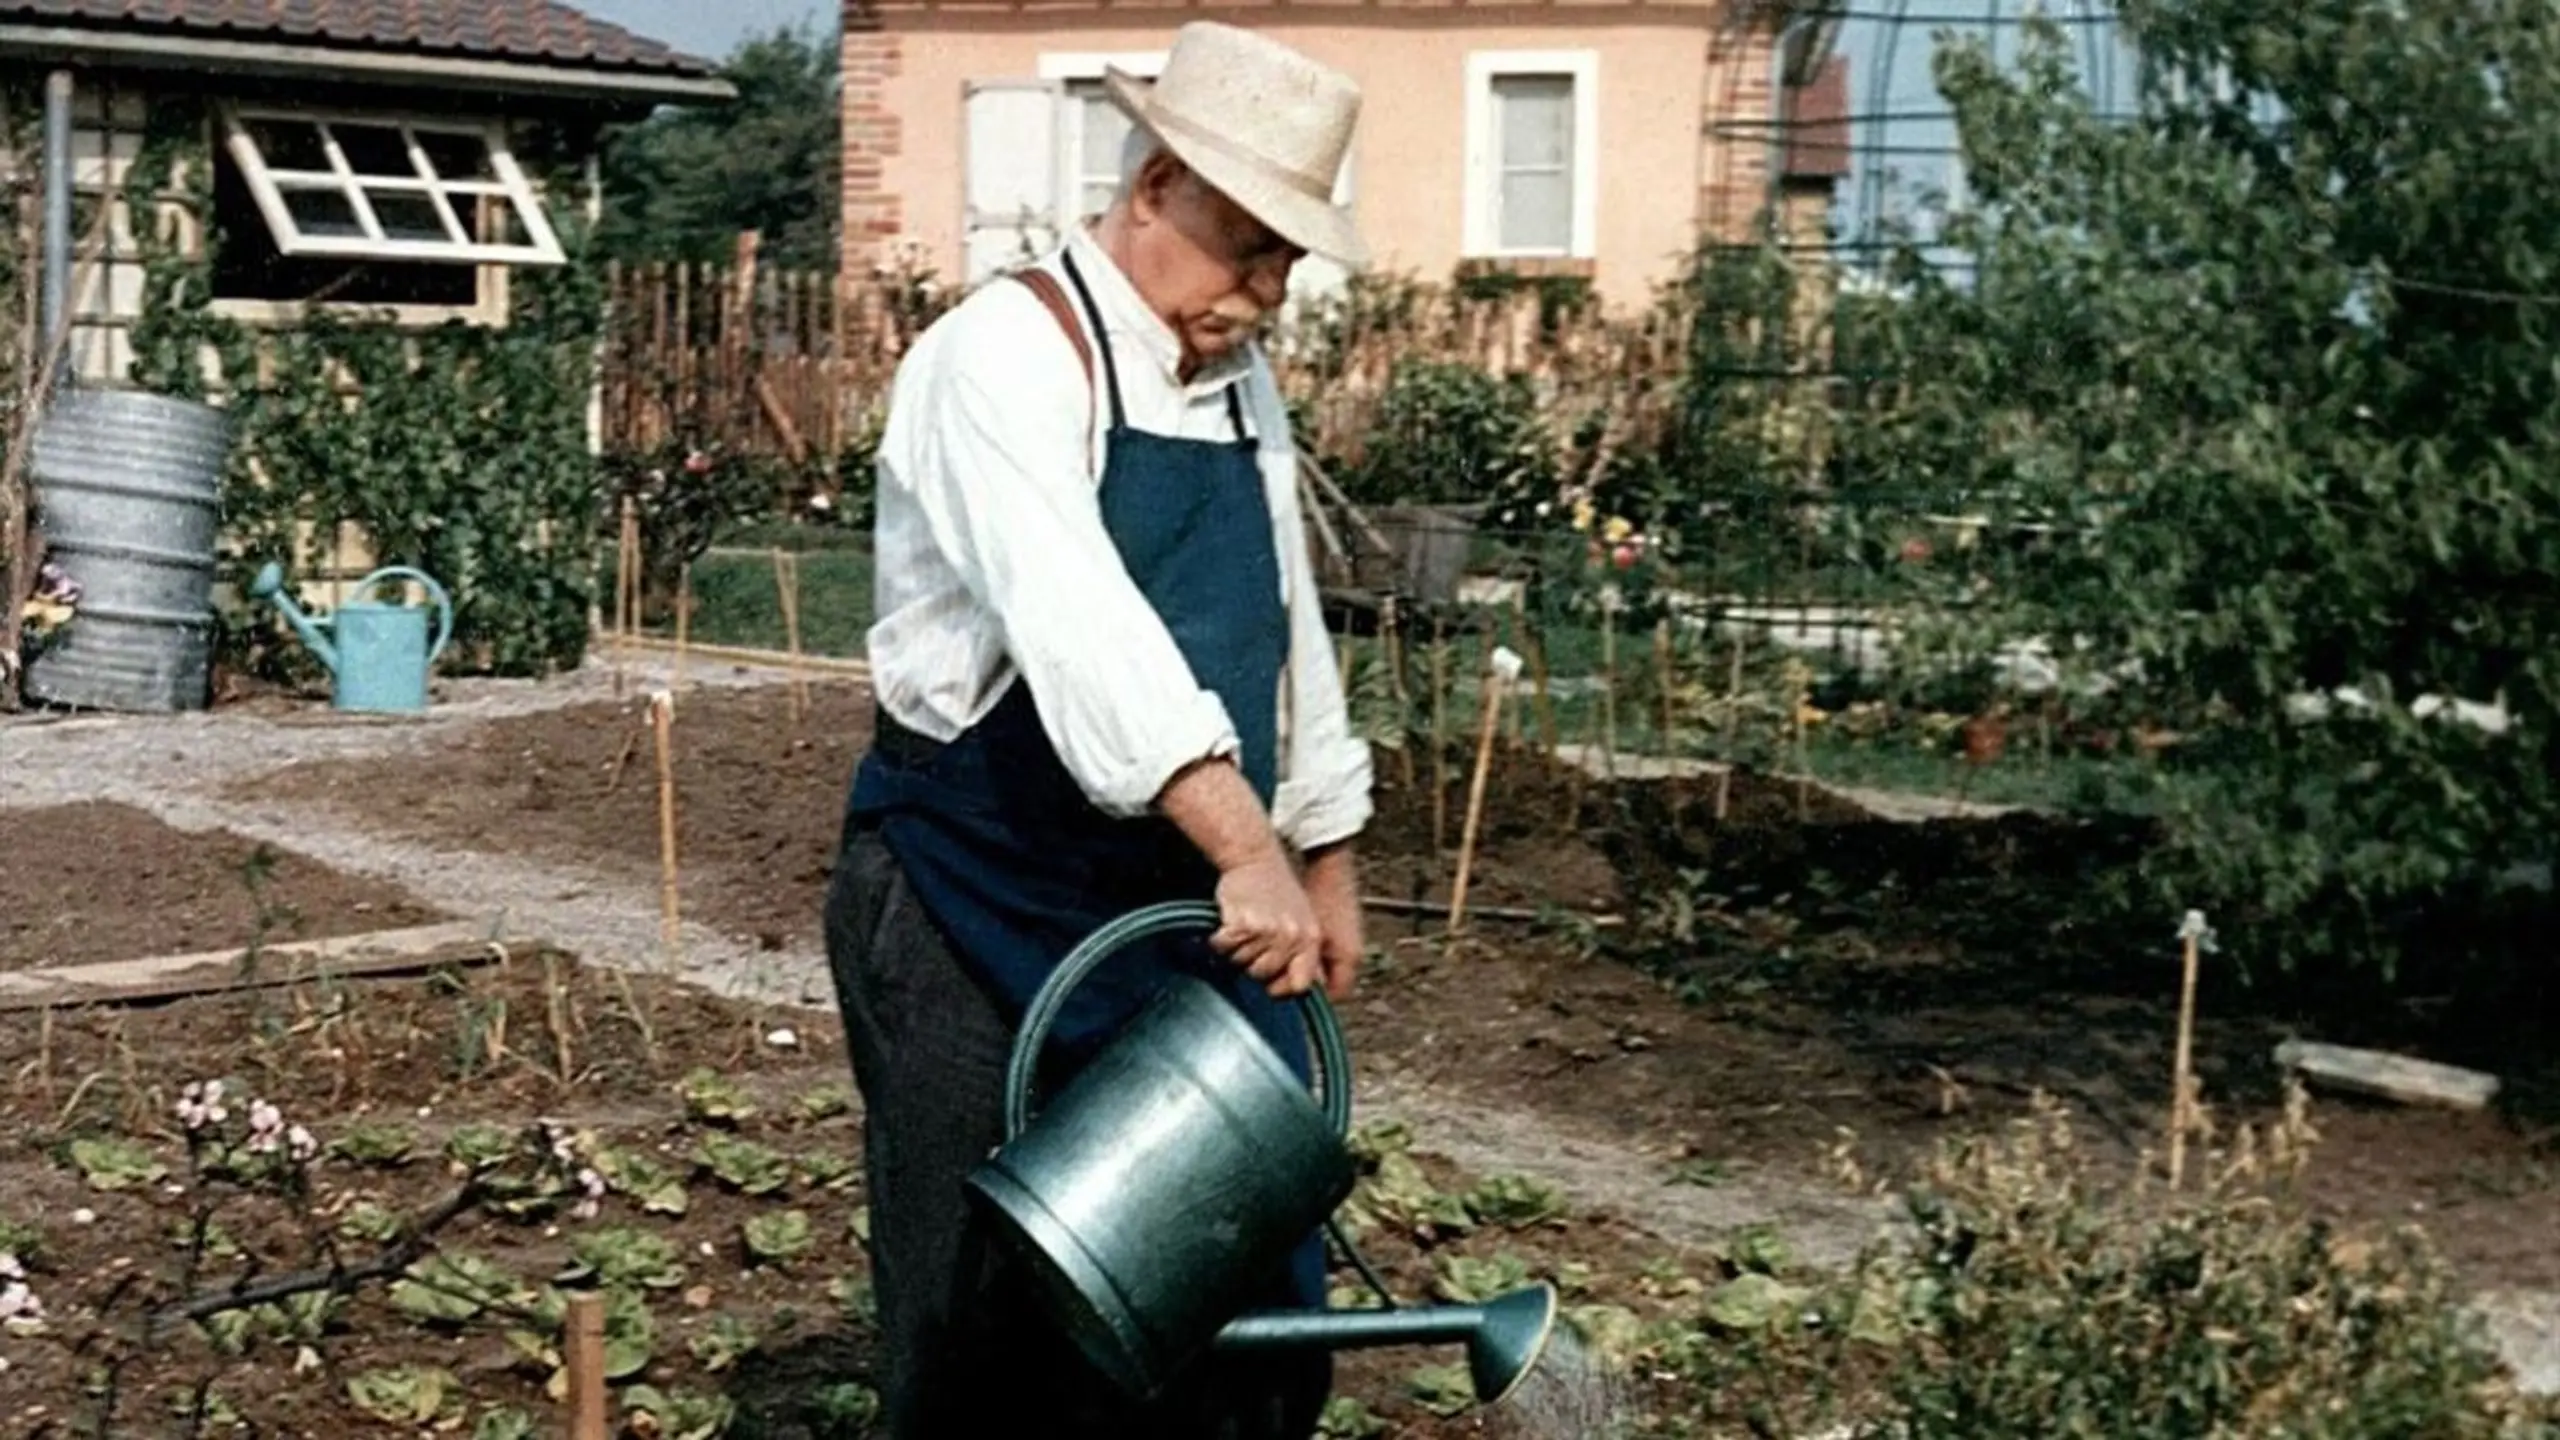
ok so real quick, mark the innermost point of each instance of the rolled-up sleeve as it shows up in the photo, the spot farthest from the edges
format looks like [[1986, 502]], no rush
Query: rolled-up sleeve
[[991, 441], [1324, 792]]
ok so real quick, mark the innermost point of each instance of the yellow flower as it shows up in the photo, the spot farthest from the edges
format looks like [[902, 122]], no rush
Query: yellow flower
[[1582, 514], [1618, 529]]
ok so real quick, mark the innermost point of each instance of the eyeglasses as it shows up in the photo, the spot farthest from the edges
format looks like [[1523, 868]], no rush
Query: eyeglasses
[[1237, 240]]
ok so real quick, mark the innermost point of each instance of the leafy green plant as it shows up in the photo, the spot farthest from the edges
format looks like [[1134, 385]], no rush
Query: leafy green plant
[[655, 1188], [2039, 1294], [112, 1162], [480, 1146], [621, 1255], [1515, 1202], [844, 1409], [375, 1142], [713, 1098], [1346, 1418], [408, 1395], [777, 1237], [824, 1102], [1447, 432], [682, 1414], [1472, 1280], [827, 1170], [744, 1165], [504, 1422], [1443, 1389], [2302, 536], [723, 1343], [452, 1287]]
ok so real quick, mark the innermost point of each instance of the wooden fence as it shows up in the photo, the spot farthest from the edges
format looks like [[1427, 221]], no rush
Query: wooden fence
[[796, 364], [750, 358]]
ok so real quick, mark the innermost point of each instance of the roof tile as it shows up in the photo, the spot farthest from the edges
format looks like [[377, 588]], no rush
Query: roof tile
[[533, 30]]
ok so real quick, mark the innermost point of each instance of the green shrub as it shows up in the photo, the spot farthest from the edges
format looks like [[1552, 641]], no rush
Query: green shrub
[[2036, 1296], [1449, 433]]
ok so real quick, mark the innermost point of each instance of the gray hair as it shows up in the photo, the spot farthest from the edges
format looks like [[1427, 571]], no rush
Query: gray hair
[[1135, 151]]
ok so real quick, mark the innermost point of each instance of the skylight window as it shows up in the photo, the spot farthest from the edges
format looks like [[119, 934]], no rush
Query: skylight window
[[389, 189]]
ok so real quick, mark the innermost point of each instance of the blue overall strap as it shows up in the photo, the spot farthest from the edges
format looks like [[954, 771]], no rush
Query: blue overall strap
[[1110, 362]]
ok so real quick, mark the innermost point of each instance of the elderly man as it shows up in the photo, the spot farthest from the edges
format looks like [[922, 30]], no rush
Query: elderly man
[[1104, 682]]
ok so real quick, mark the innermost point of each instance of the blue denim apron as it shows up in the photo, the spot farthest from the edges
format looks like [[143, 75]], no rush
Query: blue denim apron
[[1002, 847]]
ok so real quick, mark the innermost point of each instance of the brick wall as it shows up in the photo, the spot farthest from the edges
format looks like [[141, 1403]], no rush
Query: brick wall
[[1736, 131], [872, 214]]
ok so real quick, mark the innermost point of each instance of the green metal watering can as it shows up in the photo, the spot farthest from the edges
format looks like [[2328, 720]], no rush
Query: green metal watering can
[[1184, 1163], [380, 655]]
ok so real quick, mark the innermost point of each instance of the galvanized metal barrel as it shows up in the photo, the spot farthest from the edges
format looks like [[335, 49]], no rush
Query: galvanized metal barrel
[[127, 490]]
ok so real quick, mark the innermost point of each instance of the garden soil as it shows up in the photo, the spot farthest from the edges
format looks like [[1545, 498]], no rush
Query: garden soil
[[1909, 991], [91, 882], [1901, 993]]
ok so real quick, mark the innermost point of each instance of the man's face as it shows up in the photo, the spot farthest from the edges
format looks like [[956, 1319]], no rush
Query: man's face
[[1211, 270]]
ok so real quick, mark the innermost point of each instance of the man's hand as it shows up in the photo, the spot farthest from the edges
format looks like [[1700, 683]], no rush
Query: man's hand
[[1333, 887], [1268, 925]]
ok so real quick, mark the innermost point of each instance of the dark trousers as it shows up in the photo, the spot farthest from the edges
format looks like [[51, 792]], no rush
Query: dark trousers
[[963, 1351]]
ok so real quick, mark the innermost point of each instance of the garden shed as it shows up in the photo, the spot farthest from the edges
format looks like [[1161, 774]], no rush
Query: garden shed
[[358, 227]]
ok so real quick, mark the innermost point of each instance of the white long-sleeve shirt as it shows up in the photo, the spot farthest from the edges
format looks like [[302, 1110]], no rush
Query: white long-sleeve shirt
[[993, 561]]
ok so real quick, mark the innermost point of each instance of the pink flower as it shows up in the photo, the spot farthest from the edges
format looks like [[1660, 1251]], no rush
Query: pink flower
[[200, 1105]]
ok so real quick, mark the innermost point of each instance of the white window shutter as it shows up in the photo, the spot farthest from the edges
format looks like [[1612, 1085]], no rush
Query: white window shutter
[[1009, 134]]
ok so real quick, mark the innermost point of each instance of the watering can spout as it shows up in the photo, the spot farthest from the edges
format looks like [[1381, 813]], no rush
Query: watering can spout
[[1505, 1336], [269, 585]]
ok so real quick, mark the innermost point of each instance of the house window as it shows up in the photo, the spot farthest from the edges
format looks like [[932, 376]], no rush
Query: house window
[[1039, 153], [369, 210], [1532, 154], [1091, 130], [1097, 130]]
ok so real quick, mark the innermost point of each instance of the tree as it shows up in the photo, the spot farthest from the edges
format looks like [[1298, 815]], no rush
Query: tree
[[683, 183], [2274, 354]]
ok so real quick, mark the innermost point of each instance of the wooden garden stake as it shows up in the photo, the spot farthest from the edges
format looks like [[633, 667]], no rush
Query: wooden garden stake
[[555, 1005], [786, 584], [662, 708], [585, 1364], [2197, 937], [684, 618], [1500, 671]]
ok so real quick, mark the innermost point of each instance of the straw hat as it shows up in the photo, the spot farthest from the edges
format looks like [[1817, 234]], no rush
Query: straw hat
[[1265, 125]]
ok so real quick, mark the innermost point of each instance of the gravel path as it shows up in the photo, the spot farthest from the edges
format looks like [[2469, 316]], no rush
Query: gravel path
[[175, 767]]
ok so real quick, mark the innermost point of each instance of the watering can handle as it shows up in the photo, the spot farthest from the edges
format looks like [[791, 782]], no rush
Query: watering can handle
[[444, 603], [1323, 1029]]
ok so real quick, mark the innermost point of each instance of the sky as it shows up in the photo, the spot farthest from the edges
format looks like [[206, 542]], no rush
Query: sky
[[710, 28]]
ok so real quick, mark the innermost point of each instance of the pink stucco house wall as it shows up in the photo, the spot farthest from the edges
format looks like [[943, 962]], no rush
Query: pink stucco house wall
[[1556, 138]]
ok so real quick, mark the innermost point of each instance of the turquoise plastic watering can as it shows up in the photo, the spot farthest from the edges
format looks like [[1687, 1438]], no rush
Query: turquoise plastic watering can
[[378, 655]]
